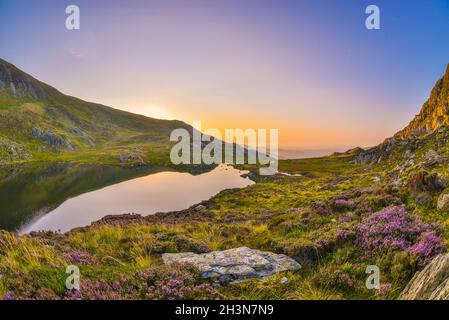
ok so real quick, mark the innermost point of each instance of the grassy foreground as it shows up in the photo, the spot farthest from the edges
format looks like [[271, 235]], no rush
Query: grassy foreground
[[334, 219]]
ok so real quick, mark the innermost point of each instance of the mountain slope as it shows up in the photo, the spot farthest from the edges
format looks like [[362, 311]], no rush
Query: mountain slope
[[425, 135], [37, 122], [434, 113]]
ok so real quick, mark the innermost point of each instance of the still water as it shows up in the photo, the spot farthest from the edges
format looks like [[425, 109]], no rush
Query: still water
[[63, 198]]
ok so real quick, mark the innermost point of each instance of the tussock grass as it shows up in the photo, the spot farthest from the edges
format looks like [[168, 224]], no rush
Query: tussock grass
[[25, 253]]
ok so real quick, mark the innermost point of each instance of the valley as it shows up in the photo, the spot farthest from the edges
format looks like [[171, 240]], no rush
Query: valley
[[386, 206]]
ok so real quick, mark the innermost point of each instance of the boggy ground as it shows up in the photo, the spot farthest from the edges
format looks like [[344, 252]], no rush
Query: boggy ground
[[334, 219]]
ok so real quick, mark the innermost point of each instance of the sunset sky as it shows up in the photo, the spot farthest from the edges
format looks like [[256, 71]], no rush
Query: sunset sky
[[308, 68]]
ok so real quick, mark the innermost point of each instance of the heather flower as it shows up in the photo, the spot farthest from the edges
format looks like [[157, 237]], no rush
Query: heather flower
[[9, 296], [305, 220], [176, 282], [198, 248], [321, 207], [393, 229], [341, 205], [340, 202], [101, 289], [344, 219], [73, 295], [384, 289], [78, 257], [343, 234], [45, 294], [428, 247], [334, 278]]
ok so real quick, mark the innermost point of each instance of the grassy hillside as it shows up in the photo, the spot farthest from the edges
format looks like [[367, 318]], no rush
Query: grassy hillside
[[37, 122]]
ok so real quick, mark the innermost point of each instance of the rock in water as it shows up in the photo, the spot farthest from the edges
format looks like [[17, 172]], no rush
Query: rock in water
[[432, 283], [235, 264]]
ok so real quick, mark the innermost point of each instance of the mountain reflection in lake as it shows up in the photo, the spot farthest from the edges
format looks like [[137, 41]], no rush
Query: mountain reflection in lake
[[62, 197]]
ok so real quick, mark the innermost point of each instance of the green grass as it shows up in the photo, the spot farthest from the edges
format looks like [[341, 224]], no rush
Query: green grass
[[268, 216], [97, 133], [278, 214], [318, 167]]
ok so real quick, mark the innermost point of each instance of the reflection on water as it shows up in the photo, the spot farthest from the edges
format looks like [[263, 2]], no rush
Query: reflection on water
[[28, 190], [156, 192]]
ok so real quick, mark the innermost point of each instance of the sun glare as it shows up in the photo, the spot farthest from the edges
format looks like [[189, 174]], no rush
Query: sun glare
[[155, 111]]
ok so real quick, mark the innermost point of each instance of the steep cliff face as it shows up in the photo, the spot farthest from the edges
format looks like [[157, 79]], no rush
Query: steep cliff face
[[429, 130], [434, 113]]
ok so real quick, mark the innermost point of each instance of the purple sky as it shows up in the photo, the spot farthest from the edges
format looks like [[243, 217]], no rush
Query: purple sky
[[309, 68]]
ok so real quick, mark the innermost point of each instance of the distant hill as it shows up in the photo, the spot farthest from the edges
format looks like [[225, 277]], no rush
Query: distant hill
[[37, 122]]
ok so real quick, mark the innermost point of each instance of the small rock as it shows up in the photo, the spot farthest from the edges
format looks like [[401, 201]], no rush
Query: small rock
[[131, 156], [432, 157], [123, 158], [408, 153], [443, 201], [283, 280]]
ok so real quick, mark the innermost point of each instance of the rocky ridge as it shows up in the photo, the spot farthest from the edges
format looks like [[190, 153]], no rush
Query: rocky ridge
[[434, 113], [431, 123]]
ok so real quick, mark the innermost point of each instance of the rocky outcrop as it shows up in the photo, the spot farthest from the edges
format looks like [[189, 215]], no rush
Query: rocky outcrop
[[434, 113], [432, 157], [52, 140], [432, 283], [430, 124], [131, 157], [423, 181], [235, 265], [376, 154], [83, 135], [12, 151]]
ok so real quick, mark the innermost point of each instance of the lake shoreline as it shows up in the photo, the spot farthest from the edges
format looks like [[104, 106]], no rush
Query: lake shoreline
[[196, 211], [199, 212]]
